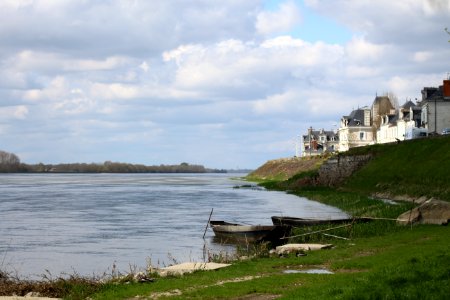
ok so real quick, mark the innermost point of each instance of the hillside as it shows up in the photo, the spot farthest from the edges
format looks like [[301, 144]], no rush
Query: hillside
[[410, 169], [284, 168], [413, 168]]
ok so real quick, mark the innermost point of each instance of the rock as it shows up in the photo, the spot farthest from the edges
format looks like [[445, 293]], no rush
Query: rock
[[298, 248], [189, 267], [411, 216], [33, 294], [430, 212], [142, 277]]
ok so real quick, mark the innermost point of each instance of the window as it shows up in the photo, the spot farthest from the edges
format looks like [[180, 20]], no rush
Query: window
[[361, 136]]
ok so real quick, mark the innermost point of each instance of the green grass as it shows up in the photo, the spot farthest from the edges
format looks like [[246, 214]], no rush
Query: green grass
[[412, 264], [416, 168], [406, 264]]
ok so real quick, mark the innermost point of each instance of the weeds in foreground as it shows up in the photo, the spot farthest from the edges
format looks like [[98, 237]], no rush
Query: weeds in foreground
[[242, 252], [75, 286], [72, 286]]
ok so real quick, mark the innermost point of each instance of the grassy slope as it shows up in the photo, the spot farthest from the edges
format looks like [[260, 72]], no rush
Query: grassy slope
[[407, 264], [412, 168], [282, 169], [415, 168]]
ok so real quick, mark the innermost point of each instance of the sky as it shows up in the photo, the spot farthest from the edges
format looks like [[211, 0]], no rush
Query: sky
[[226, 84]]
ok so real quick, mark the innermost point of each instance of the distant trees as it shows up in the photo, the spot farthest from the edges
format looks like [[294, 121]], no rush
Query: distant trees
[[115, 167], [9, 162]]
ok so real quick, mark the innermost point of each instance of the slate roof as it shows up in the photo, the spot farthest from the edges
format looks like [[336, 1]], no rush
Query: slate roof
[[431, 93], [410, 104], [355, 117], [317, 133]]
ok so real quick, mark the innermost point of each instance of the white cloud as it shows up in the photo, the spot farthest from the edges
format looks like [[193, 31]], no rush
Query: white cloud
[[29, 60], [360, 50], [282, 20], [275, 104], [144, 66], [19, 112], [114, 91], [228, 67], [434, 7], [108, 63], [56, 89], [15, 4], [405, 23], [356, 71], [422, 56]]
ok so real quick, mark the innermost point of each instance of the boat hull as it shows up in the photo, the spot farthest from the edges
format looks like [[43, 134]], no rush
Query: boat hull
[[299, 222], [247, 233]]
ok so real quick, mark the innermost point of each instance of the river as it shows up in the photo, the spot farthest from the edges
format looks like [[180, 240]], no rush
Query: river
[[86, 223]]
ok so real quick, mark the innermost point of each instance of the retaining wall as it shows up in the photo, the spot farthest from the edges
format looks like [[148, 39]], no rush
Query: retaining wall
[[336, 169]]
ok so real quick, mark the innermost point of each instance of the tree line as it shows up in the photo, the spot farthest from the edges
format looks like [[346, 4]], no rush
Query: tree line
[[10, 163]]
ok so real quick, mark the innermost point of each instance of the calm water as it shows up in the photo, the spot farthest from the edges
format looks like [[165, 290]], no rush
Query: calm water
[[86, 223]]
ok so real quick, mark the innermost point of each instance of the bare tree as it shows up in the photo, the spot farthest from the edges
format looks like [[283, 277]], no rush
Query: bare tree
[[9, 162], [7, 158]]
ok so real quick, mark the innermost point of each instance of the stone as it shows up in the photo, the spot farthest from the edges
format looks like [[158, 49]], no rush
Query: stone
[[143, 277], [430, 212], [190, 267], [411, 216], [298, 248]]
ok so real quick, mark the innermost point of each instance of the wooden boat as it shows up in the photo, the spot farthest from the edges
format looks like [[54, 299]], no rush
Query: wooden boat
[[247, 233], [299, 222]]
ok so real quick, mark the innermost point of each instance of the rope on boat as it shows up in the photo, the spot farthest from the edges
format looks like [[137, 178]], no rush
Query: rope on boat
[[318, 231], [374, 218], [342, 226], [336, 236]]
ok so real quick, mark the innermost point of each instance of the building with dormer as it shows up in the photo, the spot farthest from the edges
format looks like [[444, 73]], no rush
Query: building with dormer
[[386, 122], [356, 129], [318, 142], [401, 124]]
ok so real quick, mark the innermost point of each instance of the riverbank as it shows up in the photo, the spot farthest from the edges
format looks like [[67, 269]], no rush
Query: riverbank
[[405, 263], [378, 259]]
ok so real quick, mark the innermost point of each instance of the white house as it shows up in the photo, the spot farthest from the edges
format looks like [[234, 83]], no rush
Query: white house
[[356, 129], [385, 122], [409, 123], [401, 124]]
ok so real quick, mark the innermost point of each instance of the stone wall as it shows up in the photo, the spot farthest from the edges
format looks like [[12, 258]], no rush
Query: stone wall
[[336, 169]]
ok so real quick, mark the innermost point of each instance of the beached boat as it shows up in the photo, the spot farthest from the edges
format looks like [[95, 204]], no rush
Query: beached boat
[[298, 222], [247, 233]]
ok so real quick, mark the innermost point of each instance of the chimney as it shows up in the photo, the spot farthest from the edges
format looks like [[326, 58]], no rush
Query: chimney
[[446, 89]]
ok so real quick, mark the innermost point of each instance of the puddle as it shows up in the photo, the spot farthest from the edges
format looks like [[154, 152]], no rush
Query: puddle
[[308, 271]]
